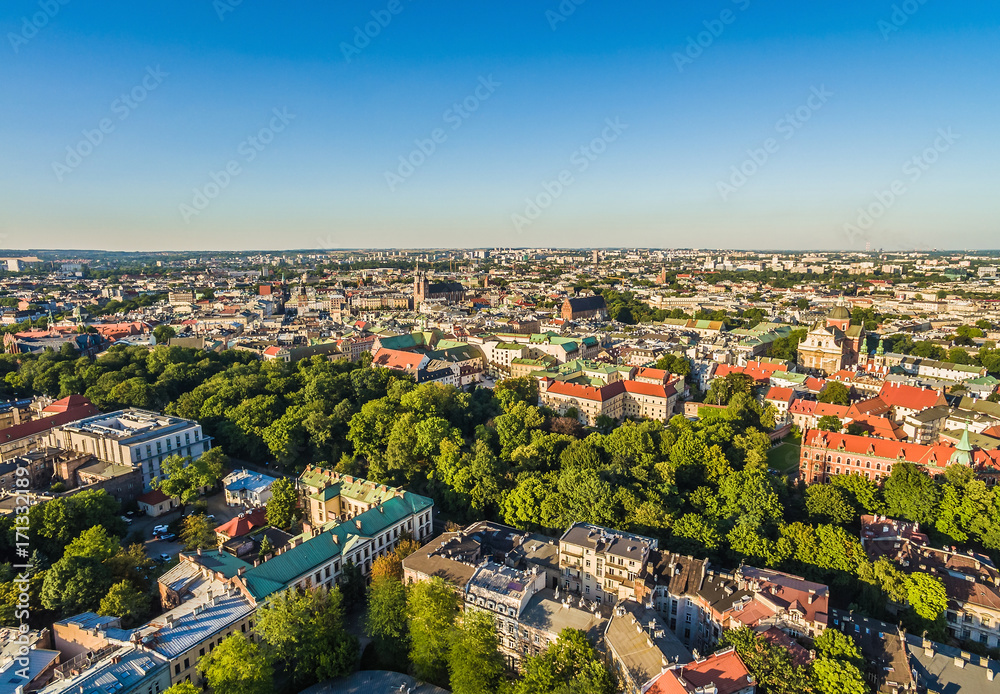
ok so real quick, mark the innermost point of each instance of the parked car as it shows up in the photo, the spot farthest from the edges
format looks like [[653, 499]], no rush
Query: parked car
[[128, 521], [159, 529], [168, 537], [164, 557]]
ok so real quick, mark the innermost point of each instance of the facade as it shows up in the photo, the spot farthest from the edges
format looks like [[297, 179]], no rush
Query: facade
[[425, 290], [247, 489], [601, 564], [504, 593], [133, 437], [833, 344], [617, 400], [584, 307], [825, 454]]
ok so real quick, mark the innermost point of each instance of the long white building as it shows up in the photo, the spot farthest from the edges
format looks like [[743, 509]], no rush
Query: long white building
[[133, 437]]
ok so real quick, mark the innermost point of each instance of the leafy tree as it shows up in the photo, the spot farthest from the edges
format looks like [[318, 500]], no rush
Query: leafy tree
[[388, 566], [352, 585], [386, 602], [910, 493], [307, 628], [837, 677], [474, 662], [184, 478], [826, 502], [282, 507], [431, 608], [183, 688], [770, 665], [830, 422], [126, 601], [722, 390], [835, 393], [238, 666], [511, 390], [568, 665], [927, 596], [163, 333], [835, 645], [197, 532]]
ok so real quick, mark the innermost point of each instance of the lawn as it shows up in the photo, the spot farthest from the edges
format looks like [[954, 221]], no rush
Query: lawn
[[784, 458]]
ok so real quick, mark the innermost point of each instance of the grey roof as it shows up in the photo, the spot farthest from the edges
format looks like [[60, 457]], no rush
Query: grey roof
[[133, 667], [938, 668], [188, 630], [614, 542], [545, 613], [38, 660], [642, 643]]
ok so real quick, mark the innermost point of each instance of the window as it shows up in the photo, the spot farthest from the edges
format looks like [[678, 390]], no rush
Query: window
[[187, 664], [177, 669]]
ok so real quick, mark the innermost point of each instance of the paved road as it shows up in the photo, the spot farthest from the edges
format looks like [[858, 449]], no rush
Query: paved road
[[143, 526]]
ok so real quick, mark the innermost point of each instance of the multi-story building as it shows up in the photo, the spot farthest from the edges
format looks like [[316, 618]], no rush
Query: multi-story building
[[720, 673], [601, 564], [504, 592], [833, 344], [133, 437], [971, 580], [825, 454], [248, 489]]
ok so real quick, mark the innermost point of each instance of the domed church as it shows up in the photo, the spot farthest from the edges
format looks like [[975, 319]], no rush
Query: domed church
[[833, 344]]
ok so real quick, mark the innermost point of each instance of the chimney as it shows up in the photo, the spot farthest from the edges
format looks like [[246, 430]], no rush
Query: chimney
[[959, 661], [199, 551], [357, 524]]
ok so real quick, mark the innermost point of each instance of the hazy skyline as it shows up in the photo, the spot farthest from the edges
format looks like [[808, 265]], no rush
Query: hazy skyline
[[629, 131]]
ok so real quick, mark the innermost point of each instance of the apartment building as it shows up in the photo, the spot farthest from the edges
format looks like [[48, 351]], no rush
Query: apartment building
[[134, 437], [971, 580], [504, 592], [601, 564]]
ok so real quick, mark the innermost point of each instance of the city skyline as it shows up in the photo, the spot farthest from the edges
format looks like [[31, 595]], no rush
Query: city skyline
[[233, 126]]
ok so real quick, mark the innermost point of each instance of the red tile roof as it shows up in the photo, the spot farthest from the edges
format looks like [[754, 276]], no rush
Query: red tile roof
[[780, 394], [153, 498], [936, 456], [67, 403], [43, 424], [910, 397], [724, 669], [244, 523], [397, 359]]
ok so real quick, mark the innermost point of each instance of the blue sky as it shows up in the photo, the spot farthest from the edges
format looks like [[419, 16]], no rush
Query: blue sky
[[688, 117]]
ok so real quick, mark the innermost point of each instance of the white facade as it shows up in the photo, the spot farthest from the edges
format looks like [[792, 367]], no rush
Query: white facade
[[133, 437]]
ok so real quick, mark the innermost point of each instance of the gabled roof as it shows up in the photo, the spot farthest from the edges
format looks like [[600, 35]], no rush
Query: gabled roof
[[910, 397]]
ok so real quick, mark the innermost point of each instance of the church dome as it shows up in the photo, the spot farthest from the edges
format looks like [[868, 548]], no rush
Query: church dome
[[839, 313]]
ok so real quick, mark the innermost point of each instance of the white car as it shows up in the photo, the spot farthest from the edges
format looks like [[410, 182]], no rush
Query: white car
[[159, 529], [128, 521]]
